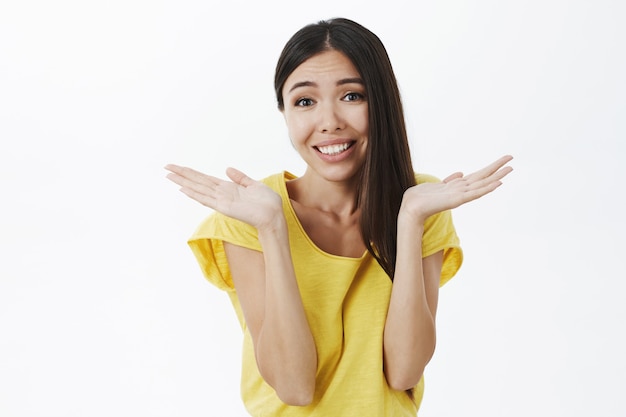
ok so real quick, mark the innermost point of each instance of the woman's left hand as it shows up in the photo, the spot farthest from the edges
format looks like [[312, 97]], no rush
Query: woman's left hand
[[423, 200]]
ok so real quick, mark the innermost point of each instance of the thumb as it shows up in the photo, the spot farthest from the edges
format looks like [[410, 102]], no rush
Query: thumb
[[239, 177], [453, 177]]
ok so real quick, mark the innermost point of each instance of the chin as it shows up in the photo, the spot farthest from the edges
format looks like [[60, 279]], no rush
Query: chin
[[340, 175]]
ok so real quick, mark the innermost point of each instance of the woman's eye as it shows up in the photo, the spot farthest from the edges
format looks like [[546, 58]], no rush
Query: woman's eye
[[353, 97], [304, 102]]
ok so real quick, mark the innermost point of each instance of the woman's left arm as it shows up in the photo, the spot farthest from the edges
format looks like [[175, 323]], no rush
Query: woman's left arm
[[409, 339], [410, 330]]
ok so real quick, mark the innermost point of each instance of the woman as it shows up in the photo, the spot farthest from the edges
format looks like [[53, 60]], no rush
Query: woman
[[335, 274]]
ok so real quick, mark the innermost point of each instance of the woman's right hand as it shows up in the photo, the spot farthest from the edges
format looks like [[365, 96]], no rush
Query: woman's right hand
[[243, 198]]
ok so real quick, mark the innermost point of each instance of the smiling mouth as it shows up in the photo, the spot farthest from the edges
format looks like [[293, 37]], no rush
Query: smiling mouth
[[334, 149]]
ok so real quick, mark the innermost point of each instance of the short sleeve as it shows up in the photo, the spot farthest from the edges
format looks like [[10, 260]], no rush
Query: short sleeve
[[440, 234], [207, 244]]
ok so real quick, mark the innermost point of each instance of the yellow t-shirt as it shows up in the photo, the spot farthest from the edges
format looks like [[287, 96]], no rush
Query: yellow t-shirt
[[346, 302]]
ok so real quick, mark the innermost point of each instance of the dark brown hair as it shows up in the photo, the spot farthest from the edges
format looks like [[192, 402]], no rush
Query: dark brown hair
[[387, 171]]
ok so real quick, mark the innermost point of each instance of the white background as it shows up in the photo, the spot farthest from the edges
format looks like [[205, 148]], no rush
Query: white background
[[103, 310]]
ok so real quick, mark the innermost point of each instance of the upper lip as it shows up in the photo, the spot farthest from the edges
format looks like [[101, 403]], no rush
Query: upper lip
[[330, 142]]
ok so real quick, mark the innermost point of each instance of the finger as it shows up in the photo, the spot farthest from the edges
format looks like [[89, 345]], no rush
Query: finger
[[195, 189], [187, 181], [203, 195], [487, 185], [204, 199], [482, 191], [172, 167], [178, 172], [239, 177], [489, 169], [501, 173], [495, 177], [454, 176]]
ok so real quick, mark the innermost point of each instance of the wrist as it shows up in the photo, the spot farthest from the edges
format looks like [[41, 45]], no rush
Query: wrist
[[275, 228], [409, 236], [409, 228], [410, 219]]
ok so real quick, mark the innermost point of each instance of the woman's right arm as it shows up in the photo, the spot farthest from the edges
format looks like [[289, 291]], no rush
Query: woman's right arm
[[265, 281], [270, 300]]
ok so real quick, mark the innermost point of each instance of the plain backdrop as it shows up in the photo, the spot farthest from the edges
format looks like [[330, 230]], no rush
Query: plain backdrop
[[103, 309]]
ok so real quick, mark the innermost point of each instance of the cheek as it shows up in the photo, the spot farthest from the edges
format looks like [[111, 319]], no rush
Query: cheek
[[297, 128], [362, 121]]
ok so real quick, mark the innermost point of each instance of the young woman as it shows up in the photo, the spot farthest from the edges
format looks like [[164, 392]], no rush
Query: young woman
[[335, 274]]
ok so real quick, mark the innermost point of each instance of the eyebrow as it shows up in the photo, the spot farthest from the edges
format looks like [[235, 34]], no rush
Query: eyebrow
[[355, 80]]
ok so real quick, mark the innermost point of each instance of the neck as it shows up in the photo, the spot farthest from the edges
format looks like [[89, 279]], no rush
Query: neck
[[338, 197]]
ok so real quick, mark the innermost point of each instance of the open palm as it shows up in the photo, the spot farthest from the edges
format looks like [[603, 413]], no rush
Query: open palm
[[426, 199], [243, 198]]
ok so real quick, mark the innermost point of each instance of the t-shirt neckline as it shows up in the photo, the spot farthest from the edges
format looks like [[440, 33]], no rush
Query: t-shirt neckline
[[287, 176]]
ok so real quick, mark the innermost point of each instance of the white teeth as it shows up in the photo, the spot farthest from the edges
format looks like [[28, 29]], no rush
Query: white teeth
[[333, 149]]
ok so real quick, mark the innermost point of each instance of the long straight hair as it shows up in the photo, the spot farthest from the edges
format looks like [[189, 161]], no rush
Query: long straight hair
[[387, 171]]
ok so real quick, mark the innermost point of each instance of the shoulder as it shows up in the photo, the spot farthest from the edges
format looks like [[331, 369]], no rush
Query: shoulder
[[277, 181], [422, 178]]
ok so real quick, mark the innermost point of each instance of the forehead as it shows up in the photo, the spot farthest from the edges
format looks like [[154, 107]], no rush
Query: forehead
[[329, 65]]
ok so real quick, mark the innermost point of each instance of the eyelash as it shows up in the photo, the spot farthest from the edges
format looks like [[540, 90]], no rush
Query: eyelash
[[358, 96], [300, 102]]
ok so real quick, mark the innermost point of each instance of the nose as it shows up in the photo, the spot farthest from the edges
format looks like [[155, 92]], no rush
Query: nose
[[330, 118]]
